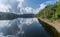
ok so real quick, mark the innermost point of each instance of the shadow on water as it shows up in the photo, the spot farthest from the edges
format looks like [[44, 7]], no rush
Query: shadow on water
[[35, 30], [11, 16]]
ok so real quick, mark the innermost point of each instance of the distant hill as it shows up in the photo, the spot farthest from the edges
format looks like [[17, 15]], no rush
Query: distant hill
[[51, 12]]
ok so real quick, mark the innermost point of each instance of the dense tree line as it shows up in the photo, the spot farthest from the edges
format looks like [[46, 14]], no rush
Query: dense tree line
[[50, 12]]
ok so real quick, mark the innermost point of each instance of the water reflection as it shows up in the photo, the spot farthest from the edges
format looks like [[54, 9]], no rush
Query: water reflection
[[24, 27], [35, 30]]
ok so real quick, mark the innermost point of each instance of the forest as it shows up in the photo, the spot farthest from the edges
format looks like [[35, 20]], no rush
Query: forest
[[51, 12]]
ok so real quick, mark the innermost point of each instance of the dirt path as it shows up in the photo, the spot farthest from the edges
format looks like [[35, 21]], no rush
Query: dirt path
[[55, 24]]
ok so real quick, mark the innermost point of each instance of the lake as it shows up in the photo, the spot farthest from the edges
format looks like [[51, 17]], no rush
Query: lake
[[22, 27]]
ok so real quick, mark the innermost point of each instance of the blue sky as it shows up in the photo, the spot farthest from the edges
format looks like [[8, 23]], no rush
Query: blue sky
[[23, 5], [36, 3]]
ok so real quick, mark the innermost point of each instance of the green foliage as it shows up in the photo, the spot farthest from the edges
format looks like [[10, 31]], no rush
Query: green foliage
[[50, 12]]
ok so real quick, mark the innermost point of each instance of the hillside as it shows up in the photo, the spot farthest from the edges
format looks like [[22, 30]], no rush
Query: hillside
[[49, 17], [51, 12]]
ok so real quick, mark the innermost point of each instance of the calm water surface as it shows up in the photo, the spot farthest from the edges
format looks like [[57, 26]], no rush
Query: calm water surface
[[22, 27]]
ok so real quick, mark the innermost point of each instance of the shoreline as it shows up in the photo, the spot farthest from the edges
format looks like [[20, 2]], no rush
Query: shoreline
[[51, 28]]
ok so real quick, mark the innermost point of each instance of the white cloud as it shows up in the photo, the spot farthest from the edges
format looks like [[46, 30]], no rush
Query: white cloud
[[20, 0], [12, 1], [28, 10], [4, 8], [20, 6], [20, 3], [42, 6]]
